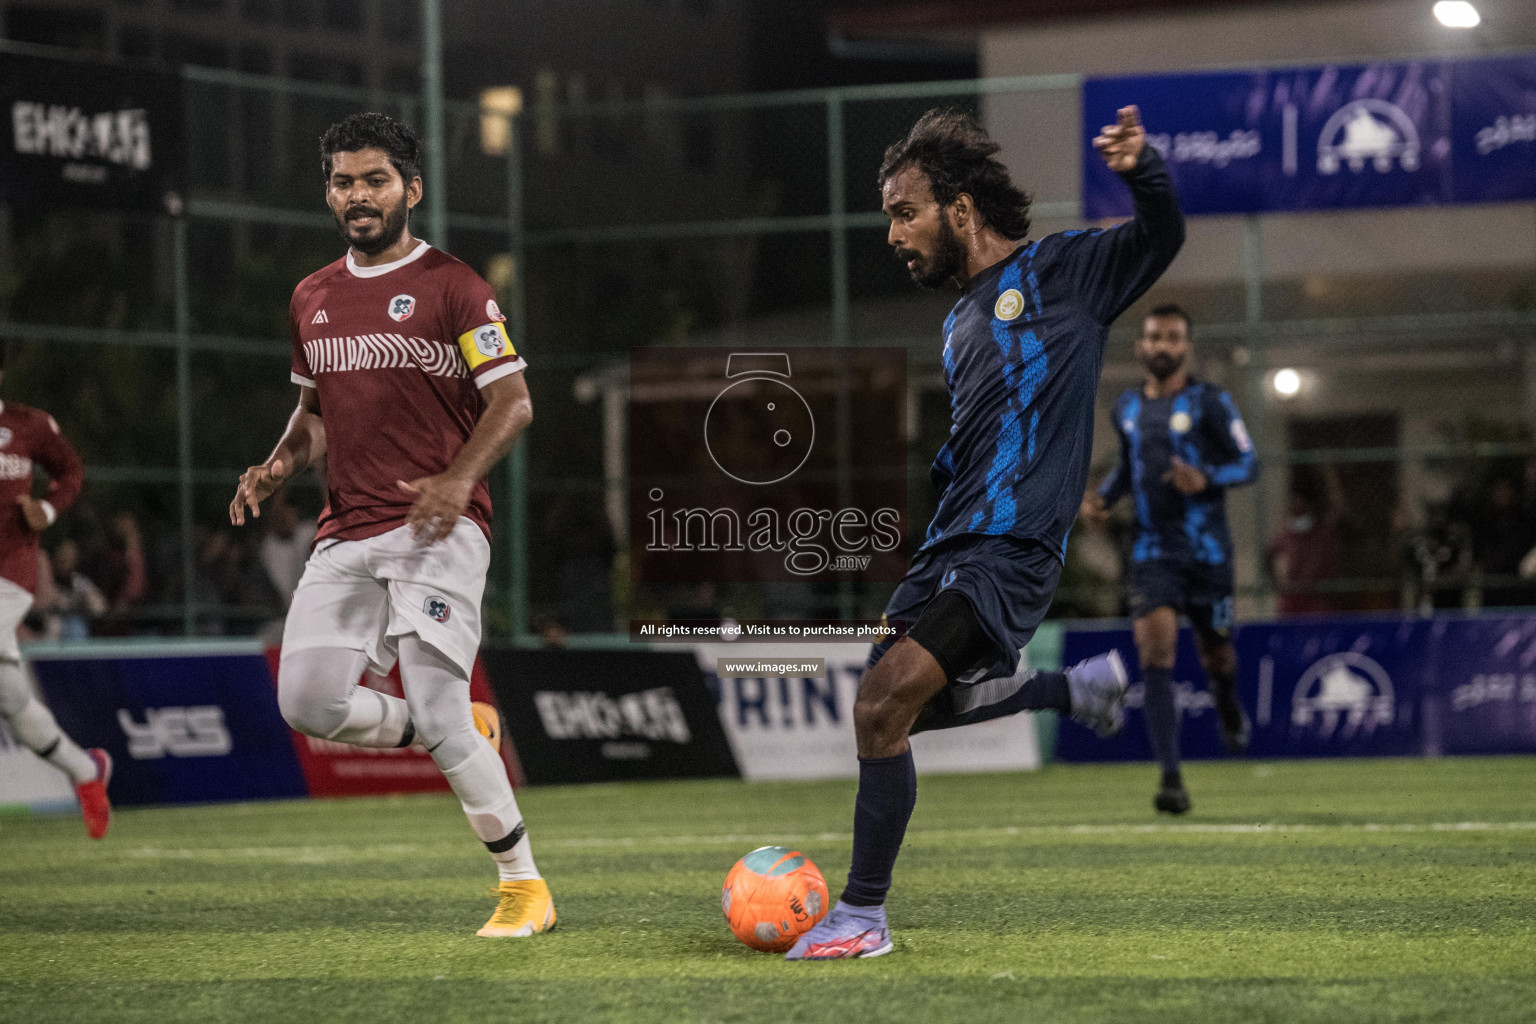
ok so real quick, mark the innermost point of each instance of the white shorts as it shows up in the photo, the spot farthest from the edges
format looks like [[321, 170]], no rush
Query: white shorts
[[363, 595], [15, 602]]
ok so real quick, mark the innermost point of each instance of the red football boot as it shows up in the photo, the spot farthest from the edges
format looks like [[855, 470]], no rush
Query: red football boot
[[95, 808]]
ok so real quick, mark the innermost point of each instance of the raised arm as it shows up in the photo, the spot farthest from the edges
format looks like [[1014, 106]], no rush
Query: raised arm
[[1116, 266]]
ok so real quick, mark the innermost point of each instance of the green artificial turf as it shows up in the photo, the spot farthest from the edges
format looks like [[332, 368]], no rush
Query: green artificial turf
[[1302, 891]]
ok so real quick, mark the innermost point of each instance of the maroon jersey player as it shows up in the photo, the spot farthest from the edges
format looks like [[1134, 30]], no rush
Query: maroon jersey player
[[30, 437], [410, 389]]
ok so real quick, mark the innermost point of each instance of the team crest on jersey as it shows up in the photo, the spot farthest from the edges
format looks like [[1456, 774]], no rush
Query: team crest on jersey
[[1180, 422], [494, 311], [488, 341], [437, 609], [401, 307], [1009, 305], [5, 436]]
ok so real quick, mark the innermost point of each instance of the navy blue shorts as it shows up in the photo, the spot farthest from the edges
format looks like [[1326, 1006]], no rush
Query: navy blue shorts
[[1009, 583], [1202, 592]]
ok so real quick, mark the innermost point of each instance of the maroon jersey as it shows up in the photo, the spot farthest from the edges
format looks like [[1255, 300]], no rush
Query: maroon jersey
[[29, 436], [398, 354]]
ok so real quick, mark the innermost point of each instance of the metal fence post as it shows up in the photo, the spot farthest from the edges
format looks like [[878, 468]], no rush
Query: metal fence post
[[1258, 418], [432, 100], [837, 227], [517, 324], [183, 328]]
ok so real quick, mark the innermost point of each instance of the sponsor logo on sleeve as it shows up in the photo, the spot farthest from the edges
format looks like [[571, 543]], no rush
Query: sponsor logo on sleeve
[[494, 311], [401, 307]]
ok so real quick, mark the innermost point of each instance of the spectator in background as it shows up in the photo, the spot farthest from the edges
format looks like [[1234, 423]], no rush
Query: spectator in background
[[285, 548], [77, 601], [121, 573], [1503, 531], [1308, 547]]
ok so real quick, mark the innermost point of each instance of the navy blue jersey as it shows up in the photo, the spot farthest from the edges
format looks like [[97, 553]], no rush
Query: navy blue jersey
[[1022, 353], [1200, 425]]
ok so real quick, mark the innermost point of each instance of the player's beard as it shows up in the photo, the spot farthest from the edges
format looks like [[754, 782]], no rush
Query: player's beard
[[1162, 365], [946, 264], [391, 226]]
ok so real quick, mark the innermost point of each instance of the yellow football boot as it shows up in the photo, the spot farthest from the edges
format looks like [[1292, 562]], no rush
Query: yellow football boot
[[487, 723], [526, 908]]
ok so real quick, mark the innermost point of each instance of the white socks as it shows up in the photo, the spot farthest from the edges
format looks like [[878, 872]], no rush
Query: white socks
[[438, 695]]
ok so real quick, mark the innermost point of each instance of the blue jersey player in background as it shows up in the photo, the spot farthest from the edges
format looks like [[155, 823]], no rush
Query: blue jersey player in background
[[1182, 444], [1022, 353]]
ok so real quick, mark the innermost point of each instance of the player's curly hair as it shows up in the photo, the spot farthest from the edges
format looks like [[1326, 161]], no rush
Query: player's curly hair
[[372, 130], [957, 155]]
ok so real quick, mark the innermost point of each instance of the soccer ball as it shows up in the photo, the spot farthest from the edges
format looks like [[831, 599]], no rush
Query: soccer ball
[[773, 896]]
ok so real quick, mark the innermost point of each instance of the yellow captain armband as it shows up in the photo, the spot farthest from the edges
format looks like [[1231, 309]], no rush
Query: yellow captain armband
[[484, 344]]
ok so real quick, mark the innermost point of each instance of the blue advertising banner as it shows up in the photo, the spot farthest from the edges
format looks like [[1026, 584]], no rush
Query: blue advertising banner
[[1493, 130], [1329, 137], [1320, 688], [1484, 699], [1198, 733], [178, 728]]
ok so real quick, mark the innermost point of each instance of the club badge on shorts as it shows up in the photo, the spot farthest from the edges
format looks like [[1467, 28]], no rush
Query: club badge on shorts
[[437, 609], [401, 307]]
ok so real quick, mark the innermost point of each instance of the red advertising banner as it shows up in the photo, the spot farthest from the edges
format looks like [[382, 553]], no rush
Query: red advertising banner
[[340, 769]]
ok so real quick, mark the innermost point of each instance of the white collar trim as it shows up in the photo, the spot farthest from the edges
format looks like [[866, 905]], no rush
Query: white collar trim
[[384, 268]]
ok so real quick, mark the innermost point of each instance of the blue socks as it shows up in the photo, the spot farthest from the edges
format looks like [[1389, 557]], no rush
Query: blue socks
[[1162, 720], [887, 794]]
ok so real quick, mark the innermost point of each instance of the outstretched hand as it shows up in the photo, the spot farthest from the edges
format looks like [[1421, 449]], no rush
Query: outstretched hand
[[440, 501], [256, 485], [1121, 144]]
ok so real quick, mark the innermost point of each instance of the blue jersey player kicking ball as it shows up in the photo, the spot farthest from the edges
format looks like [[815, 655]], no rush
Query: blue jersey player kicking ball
[[1182, 444], [1022, 352]]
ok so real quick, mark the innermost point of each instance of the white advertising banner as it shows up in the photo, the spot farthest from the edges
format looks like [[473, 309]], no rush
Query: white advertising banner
[[789, 727]]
